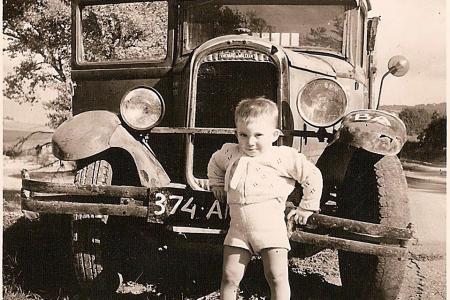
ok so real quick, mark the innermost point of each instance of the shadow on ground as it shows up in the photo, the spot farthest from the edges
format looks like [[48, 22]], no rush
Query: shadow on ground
[[36, 260], [36, 256]]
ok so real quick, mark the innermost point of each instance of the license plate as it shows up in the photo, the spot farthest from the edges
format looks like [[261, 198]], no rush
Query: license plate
[[187, 208]]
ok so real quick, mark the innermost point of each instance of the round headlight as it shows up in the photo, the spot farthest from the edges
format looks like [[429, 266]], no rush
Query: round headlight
[[142, 108], [322, 102]]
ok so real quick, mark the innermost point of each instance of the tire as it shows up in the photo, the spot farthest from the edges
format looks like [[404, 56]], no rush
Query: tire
[[88, 230], [374, 190]]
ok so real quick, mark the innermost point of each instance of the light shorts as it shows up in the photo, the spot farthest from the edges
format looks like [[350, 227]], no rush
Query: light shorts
[[257, 226]]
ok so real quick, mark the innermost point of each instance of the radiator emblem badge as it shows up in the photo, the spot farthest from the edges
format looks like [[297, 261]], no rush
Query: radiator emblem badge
[[237, 55]]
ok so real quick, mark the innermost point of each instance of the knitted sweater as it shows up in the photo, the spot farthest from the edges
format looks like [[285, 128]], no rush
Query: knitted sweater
[[269, 176]]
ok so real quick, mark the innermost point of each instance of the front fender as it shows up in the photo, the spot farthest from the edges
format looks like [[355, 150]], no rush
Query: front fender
[[151, 173], [84, 135], [93, 132], [375, 131]]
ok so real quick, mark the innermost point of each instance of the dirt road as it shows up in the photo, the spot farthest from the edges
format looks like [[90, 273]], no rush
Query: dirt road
[[425, 277], [34, 261]]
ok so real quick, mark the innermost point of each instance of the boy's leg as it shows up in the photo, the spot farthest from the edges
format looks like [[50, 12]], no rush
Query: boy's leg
[[235, 261], [275, 261]]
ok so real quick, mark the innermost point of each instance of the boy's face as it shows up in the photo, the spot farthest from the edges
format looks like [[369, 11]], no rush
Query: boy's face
[[256, 136]]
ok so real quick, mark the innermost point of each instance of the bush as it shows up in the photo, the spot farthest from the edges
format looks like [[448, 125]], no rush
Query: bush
[[434, 137]]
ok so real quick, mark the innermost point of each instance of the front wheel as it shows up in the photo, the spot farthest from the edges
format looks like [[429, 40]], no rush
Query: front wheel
[[88, 230], [374, 190]]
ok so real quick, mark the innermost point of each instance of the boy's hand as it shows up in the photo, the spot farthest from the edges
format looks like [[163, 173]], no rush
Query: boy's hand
[[300, 215], [219, 193]]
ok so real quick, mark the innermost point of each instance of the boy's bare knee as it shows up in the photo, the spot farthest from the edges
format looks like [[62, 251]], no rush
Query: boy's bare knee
[[231, 277], [276, 277]]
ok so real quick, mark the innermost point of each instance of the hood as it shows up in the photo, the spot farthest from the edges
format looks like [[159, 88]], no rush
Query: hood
[[323, 64]]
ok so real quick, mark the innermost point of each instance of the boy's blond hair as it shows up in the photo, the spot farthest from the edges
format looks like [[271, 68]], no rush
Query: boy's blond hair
[[251, 108]]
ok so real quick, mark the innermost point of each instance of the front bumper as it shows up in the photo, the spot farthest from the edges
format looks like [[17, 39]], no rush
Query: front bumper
[[196, 212]]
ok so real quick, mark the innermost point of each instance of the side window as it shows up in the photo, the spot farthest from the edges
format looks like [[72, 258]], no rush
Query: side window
[[124, 31]]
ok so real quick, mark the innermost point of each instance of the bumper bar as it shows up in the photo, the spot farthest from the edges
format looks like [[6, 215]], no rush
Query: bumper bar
[[347, 235], [59, 205]]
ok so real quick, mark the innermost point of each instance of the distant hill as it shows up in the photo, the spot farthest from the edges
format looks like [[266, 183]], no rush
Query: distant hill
[[13, 131], [441, 108], [9, 124]]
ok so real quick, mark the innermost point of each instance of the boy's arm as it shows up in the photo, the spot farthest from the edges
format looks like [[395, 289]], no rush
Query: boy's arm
[[310, 178], [216, 176], [216, 171], [312, 183]]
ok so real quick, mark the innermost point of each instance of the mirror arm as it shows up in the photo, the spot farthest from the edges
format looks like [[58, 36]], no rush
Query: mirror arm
[[381, 87]]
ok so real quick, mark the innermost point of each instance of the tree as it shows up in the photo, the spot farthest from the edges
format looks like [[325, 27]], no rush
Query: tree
[[434, 137], [255, 23], [38, 32], [322, 37], [415, 119], [115, 32], [211, 20]]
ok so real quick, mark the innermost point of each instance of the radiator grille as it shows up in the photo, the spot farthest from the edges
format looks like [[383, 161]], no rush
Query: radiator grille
[[220, 86]]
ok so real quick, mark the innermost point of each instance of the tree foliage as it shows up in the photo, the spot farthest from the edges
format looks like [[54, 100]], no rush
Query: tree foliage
[[122, 31], [211, 20], [322, 37], [415, 119], [38, 33], [434, 137], [256, 24]]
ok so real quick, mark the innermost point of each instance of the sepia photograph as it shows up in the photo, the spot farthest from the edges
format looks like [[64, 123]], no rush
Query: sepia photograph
[[224, 149]]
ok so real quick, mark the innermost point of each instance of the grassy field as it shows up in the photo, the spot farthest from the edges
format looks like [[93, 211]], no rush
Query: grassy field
[[14, 132], [25, 140]]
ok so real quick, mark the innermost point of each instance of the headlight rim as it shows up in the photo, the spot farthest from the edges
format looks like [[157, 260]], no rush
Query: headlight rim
[[159, 97], [312, 123]]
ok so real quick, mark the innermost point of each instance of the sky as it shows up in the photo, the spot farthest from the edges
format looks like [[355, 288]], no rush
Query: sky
[[415, 29]]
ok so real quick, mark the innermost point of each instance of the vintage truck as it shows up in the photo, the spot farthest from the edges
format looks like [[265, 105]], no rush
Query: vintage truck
[[154, 85]]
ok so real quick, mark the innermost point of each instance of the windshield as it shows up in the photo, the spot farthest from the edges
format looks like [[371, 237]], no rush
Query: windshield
[[124, 31], [314, 27]]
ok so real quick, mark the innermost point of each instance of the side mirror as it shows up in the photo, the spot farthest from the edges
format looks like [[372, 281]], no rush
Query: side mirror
[[398, 65]]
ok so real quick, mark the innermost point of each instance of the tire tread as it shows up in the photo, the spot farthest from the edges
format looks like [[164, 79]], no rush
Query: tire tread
[[377, 194], [87, 252]]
